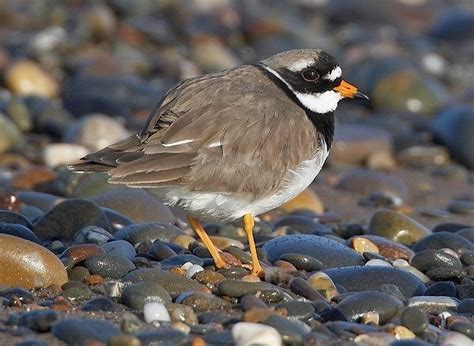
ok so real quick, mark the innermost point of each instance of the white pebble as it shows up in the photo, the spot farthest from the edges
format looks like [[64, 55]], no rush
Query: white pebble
[[186, 266], [246, 333], [60, 154], [154, 311], [378, 262], [195, 268]]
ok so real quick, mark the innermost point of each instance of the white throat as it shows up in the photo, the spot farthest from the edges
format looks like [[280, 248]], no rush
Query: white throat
[[319, 103]]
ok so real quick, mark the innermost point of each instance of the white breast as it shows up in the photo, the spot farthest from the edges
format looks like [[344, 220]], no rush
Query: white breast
[[221, 207]]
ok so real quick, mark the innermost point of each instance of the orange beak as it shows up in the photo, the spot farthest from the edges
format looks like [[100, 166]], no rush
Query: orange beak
[[348, 90]]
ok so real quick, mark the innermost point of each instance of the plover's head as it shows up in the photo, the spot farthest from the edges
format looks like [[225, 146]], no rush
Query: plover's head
[[313, 76]]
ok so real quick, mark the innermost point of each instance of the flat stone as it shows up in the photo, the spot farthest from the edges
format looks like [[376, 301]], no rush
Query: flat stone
[[138, 294], [441, 240], [414, 319], [355, 279], [14, 218], [389, 248], [306, 200], [19, 231], [17, 257], [238, 288], [434, 304], [148, 233], [321, 248], [397, 227], [201, 302], [75, 331], [39, 321]]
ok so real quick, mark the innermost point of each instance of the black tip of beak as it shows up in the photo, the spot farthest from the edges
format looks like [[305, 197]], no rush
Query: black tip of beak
[[360, 95]]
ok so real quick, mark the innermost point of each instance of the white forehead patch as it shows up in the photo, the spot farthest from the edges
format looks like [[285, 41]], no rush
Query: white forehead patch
[[334, 74], [300, 65]]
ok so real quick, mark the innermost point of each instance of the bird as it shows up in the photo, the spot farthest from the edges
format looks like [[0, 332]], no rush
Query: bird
[[233, 144]]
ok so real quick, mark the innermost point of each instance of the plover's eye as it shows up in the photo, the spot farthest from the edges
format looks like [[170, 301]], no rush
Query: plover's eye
[[310, 75]]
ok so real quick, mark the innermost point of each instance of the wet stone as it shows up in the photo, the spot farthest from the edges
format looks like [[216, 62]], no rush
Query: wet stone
[[414, 319], [237, 288], [233, 272], [58, 223], [78, 273], [441, 240], [172, 282], [246, 333], [437, 264], [299, 310], [397, 227], [303, 288], [109, 266], [302, 262], [100, 304], [137, 294], [209, 278], [389, 249], [467, 233], [434, 304], [120, 248], [355, 279], [320, 248], [92, 235], [442, 288], [39, 321], [356, 305], [79, 253], [290, 331], [21, 294], [16, 256], [182, 313], [465, 328], [116, 219], [19, 231], [464, 291], [179, 260], [78, 330], [366, 181], [148, 232]]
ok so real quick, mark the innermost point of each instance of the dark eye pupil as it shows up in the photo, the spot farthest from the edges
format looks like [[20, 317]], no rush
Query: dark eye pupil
[[310, 75]]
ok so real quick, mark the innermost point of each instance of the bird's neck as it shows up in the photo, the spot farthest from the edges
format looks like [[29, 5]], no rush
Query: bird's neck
[[324, 123]]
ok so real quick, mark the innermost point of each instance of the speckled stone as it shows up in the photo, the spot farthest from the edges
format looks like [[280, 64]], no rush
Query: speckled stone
[[76, 331], [321, 248], [109, 266], [136, 295]]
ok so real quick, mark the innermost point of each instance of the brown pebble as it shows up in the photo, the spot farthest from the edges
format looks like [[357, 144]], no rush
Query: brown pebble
[[28, 265], [61, 304], [307, 199], [257, 315], [123, 340], [93, 280], [198, 341], [26, 77], [79, 253]]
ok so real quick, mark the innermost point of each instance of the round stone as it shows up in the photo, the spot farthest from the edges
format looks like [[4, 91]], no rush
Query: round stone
[[109, 266], [397, 227], [17, 257], [26, 77], [437, 264], [155, 311], [246, 333], [302, 262], [202, 302], [138, 294], [120, 248], [440, 240], [100, 304], [414, 319], [39, 321], [321, 248], [306, 200]]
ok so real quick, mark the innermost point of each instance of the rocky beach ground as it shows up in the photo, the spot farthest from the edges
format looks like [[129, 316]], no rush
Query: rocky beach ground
[[378, 251]]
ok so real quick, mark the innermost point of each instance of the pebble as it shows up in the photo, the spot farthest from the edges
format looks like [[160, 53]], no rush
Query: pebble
[[109, 266], [173, 283], [193, 269], [461, 207], [17, 257], [306, 200], [437, 264], [182, 313], [61, 154], [397, 227], [238, 288], [79, 253], [11, 217], [246, 333], [404, 265], [466, 306], [355, 279], [299, 310], [366, 181], [323, 284], [39, 321], [92, 234], [302, 262], [385, 247], [320, 248], [155, 311], [77, 330], [10, 135], [138, 294], [58, 223], [135, 204], [434, 304], [291, 331], [148, 233], [440, 240], [19, 231], [441, 288], [120, 248], [302, 224], [414, 319], [25, 77], [454, 338], [465, 328], [100, 304], [162, 335], [202, 302], [95, 131]]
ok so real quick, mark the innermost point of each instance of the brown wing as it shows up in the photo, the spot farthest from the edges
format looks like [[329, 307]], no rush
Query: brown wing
[[219, 133]]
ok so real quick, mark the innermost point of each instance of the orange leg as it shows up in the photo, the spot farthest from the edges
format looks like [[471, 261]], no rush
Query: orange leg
[[197, 227], [248, 228]]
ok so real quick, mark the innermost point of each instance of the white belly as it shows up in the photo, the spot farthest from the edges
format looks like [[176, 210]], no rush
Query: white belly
[[221, 207]]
